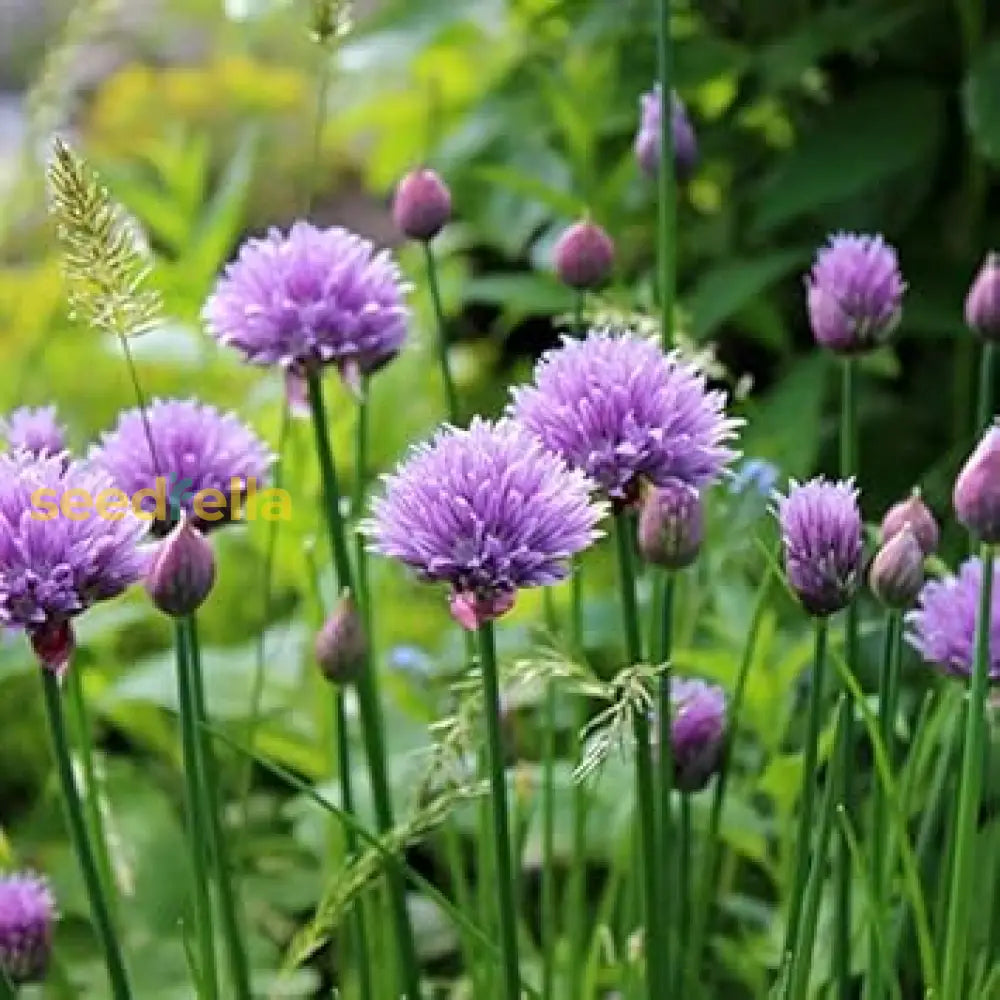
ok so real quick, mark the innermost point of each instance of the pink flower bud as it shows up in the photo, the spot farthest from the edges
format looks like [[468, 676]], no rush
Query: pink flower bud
[[897, 571], [982, 305], [913, 512], [977, 490], [671, 525], [584, 256], [181, 573], [341, 644], [422, 205]]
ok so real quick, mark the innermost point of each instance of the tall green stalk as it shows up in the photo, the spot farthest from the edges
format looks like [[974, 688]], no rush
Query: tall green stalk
[[117, 975], [198, 824], [671, 959], [504, 884], [666, 180], [987, 375], [550, 924], [806, 805], [577, 890], [844, 745], [447, 381], [888, 685], [649, 870], [212, 802], [970, 792], [372, 727]]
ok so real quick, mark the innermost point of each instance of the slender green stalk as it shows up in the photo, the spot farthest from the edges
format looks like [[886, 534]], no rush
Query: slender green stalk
[[372, 728], [888, 681], [706, 893], [812, 890], [577, 890], [844, 745], [578, 304], [459, 881], [503, 886], [970, 791], [685, 853], [228, 902], [550, 928], [198, 824], [667, 182], [450, 395], [649, 870], [8, 991], [140, 399], [809, 762], [665, 784], [91, 784], [987, 374], [117, 975]]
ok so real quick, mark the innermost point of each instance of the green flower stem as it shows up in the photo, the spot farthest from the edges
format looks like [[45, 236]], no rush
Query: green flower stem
[[550, 927], [970, 791], [8, 991], [372, 728], [450, 395], [503, 885], [844, 745], [117, 975], [801, 957], [888, 683], [212, 803], [987, 371], [809, 762], [198, 824], [649, 870], [577, 892], [665, 786], [91, 784], [667, 182], [685, 856], [578, 304], [706, 892]]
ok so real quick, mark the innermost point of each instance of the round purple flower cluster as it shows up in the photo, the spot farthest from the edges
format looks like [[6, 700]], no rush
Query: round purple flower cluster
[[487, 510], [697, 731], [195, 448], [54, 567], [821, 534], [618, 408], [27, 913], [311, 298], [942, 628], [34, 429]]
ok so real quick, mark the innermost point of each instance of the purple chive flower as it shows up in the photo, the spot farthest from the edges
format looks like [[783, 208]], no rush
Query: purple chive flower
[[976, 496], [311, 298], [619, 409], [487, 510], [982, 304], [854, 293], [821, 534], [27, 913], [647, 139], [58, 555], [697, 731], [942, 628], [897, 571], [671, 525], [35, 430], [197, 448], [181, 572], [584, 256]]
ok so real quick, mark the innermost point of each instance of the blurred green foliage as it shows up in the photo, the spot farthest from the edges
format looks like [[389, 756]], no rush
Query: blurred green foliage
[[812, 116]]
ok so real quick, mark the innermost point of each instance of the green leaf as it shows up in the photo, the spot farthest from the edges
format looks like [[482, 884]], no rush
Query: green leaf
[[852, 147], [981, 94], [513, 180], [725, 289]]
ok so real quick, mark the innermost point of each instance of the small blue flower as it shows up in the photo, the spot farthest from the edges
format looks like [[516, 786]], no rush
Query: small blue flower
[[755, 475]]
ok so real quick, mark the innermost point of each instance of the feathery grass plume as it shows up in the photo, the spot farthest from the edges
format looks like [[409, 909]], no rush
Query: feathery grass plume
[[331, 19], [48, 99], [105, 260], [371, 864]]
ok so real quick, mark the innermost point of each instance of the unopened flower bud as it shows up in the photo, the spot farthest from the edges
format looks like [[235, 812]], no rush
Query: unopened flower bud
[[671, 525], [697, 732], [913, 512], [341, 644], [982, 304], [422, 205], [27, 913], [977, 490], [897, 571], [181, 572], [54, 644], [472, 610], [584, 256]]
